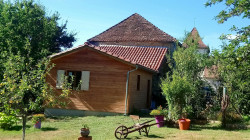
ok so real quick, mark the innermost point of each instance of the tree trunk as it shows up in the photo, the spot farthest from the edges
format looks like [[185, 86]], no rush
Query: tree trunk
[[24, 117], [224, 105], [223, 121]]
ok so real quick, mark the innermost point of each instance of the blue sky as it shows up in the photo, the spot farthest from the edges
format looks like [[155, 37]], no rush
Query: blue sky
[[90, 17]]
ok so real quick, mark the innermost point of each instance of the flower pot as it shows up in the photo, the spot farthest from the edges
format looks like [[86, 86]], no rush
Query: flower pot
[[38, 125], [84, 132], [184, 124], [160, 120]]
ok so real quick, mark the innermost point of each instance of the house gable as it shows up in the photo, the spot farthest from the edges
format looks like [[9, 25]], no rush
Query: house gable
[[146, 58]]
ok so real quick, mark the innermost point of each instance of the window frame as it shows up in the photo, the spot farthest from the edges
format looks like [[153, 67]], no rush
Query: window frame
[[77, 78]]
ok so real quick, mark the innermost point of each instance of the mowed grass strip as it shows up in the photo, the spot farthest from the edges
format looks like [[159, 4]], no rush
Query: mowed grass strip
[[102, 128]]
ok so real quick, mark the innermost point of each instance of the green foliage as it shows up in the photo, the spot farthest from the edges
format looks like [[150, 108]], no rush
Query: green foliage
[[234, 73], [159, 111], [27, 36], [37, 117], [233, 8], [231, 117], [233, 62], [246, 118], [183, 85], [155, 112], [177, 91], [7, 121], [23, 87], [85, 126], [25, 21]]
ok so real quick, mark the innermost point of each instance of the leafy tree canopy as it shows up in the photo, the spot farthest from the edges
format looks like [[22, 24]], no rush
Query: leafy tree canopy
[[233, 8], [26, 21], [233, 62]]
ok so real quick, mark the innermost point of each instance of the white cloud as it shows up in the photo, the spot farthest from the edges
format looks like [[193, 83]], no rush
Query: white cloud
[[231, 37]]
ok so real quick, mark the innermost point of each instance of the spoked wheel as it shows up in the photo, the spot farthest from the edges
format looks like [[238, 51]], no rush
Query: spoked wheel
[[121, 132]]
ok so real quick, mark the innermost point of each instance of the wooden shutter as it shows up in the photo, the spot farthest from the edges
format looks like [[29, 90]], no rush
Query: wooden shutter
[[85, 80], [60, 79]]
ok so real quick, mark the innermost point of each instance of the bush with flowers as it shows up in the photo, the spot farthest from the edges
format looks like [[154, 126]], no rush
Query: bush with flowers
[[38, 118], [159, 111]]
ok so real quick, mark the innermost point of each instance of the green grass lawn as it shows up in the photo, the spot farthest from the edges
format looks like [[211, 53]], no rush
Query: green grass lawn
[[102, 128]]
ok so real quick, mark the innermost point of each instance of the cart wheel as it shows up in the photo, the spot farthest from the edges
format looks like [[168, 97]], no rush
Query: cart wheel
[[121, 132]]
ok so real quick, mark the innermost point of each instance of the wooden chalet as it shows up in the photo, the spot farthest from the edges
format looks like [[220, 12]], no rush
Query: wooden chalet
[[116, 67]]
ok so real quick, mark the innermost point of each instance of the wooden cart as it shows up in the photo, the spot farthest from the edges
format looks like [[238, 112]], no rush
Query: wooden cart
[[122, 131]]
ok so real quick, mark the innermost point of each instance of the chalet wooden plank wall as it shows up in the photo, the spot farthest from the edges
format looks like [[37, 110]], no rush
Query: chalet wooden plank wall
[[106, 85]]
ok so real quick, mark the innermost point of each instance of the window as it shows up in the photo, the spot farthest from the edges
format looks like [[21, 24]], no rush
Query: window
[[138, 82], [79, 77], [76, 78]]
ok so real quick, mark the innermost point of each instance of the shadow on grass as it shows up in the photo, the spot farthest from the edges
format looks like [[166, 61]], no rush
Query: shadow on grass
[[201, 127], [49, 129], [218, 127], [16, 128], [140, 137], [63, 117], [154, 136]]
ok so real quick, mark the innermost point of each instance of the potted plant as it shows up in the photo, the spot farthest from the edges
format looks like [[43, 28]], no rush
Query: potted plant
[[85, 130], [159, 114], [37, 120]]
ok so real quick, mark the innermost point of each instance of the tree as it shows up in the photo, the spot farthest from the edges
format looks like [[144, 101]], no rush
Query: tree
[[27, 36], [233, 8], [24, 21], [233, 62], [24, 89], [187, 65]]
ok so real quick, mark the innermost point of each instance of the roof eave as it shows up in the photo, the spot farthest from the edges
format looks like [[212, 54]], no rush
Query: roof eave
[[58, 55]]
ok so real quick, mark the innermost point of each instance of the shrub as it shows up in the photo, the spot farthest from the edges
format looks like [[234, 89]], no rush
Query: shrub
[[155, 112], [246, 118], [38, 117], [231, 117], [159, 111], [177, 90], [7, 121]]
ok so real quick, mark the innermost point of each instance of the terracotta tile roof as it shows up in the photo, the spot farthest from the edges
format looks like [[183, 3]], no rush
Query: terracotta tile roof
[[211, 73], [133, 28], [149, 58], [195, 35]]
